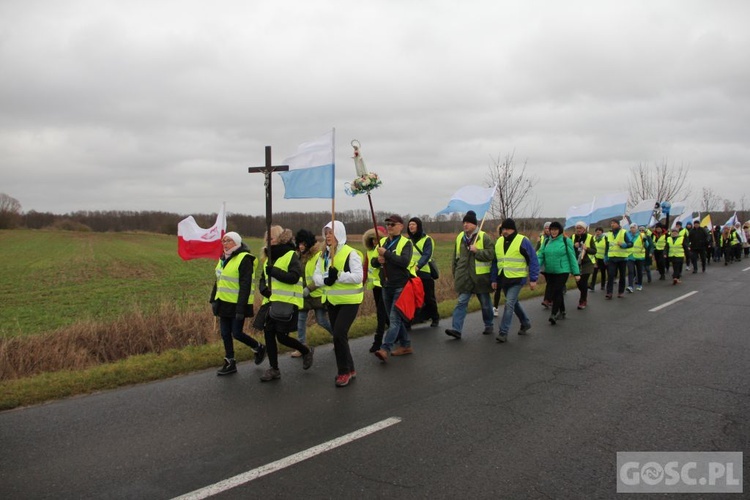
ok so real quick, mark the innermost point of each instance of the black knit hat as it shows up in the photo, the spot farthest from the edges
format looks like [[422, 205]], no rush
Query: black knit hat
[[556, 225], [306, 237], [508, 224], [470, 217]]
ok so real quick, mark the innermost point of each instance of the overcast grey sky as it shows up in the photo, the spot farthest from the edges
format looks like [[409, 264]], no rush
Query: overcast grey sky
[[162, 105]]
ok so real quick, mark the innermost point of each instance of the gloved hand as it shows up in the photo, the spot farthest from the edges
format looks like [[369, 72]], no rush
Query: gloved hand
[[333, 274], [239, 317], [215, 308], [269, 270], [305, 292], [264, 290], [623, 245]]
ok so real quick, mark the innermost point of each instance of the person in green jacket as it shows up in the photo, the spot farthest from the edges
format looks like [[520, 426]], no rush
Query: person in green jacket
[[559, 260]]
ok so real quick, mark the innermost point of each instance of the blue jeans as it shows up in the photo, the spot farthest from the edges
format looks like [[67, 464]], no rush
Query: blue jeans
[[512, 306], [320, 317], [459, 312], [397, 329]]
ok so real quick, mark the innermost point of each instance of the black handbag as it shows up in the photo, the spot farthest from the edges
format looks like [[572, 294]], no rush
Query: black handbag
[[281, 311], [434, 271], [259, 321]]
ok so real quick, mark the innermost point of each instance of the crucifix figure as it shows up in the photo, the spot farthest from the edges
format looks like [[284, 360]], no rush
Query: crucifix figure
[[267, 170]]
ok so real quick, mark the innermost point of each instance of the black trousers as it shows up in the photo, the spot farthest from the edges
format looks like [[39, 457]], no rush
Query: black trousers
[[615, 267], [677, 266], [659, 258], [583, 287], [547, 290], [274, 331], [556, 285], [600, 267], [429, 310], [342, 316], [694, 254]]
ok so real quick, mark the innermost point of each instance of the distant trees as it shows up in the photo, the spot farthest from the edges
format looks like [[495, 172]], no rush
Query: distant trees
[[709, 200], [662, 182], [10, 211], [514, 188]]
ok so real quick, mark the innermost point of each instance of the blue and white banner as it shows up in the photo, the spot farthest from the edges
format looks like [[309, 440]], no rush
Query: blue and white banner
[[467, 198], [608, 206], [312, 170]]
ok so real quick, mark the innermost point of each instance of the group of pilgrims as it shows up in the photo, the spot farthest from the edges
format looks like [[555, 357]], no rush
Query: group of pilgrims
[[299, 274]]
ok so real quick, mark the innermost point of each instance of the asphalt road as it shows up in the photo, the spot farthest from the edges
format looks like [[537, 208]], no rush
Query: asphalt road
[[541, 416]]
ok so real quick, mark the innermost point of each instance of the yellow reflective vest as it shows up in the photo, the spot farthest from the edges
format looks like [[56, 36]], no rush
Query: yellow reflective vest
[[344, 293], [228, 279], [373, 273], [309, 272], [512, 264], [415, 256], [614, 245], [284, 292], [675, 247], [479, 266]]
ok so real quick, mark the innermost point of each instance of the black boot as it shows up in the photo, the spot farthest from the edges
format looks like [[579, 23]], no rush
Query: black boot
[[230, 366]]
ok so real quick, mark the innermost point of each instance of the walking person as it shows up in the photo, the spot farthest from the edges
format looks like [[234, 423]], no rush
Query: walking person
[[660, 242], [718, 250], [698, 239], [232, 299], [281, 286], [547, 299], [394, 261], [370, 241], [677, 249], [636, 259], [585, 250], [601, 265], [421, 257], [473, 254], [616, 256], [558, 257], [649, 245], [340, 269], [516, 262], [308, 251]]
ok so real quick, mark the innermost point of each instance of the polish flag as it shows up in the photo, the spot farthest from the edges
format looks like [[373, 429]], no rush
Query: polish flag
[[194, 242]]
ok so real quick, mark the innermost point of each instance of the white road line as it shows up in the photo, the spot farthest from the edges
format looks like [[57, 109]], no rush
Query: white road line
[[264, 470], [746, 269], [667, 304]]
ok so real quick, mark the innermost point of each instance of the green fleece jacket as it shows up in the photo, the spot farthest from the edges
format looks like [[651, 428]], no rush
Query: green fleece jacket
[[557, 256]]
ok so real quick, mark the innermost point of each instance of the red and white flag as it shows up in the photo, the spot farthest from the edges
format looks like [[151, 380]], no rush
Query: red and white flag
[[194, 242]]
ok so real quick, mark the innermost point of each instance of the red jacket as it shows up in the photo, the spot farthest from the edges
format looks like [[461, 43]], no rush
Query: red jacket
[[411, 298]]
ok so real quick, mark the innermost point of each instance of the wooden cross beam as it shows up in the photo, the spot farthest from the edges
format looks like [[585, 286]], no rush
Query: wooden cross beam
[[267, 170]]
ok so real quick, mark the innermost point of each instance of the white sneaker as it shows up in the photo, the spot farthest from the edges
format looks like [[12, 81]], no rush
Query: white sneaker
[[494, 312], [296, 354]]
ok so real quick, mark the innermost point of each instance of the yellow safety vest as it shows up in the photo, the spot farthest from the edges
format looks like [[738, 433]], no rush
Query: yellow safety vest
[[601, 247], [639, 251], [344, 293], [415, 256], [373, 273], [284, 292], [675, 247], [228, 279], [589, 242], [399, 248], [660, 242], [479, 266], [614, 244], [511, 264], [309, 272]]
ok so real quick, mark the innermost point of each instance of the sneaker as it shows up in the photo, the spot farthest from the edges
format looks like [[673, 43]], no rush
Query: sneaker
[[343, 380], [546, 304], [502, 337], [678, 281], [435, 323], [608, 296], [582, 304], [592, 289], [552, 320], [453, 333], [639, 288], [353, 374], [270, 374], [402, 351], [307, 359], [675, 281], [695, 271], [487, 330], [620, 295], [296, 354], [382, 355], [524, 329], [629, 289], [260, 354], [375, 346], [561, 315], [230, 366], [494, 312]]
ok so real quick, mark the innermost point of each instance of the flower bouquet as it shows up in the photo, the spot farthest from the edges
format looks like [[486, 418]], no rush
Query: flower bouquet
[[364, 184]]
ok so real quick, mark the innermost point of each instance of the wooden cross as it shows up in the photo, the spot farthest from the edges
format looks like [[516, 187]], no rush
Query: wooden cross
[[267, 170]]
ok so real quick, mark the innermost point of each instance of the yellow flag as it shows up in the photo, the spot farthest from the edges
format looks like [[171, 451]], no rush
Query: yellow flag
[[706, 222]]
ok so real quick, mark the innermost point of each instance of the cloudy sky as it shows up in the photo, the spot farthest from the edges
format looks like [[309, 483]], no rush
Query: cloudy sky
[[162, 105]]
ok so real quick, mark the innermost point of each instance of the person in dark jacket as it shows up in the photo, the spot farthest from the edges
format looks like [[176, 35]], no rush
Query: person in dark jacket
[[699, 238], [393, 260], [232, 299], [290, 273], [423, 248]]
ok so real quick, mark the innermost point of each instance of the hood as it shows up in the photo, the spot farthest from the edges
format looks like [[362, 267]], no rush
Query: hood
[[368, 239], [284, 237], [339, 231], [417, 235]]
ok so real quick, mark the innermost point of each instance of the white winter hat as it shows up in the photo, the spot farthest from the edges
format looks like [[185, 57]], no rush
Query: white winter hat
[[235, 237]]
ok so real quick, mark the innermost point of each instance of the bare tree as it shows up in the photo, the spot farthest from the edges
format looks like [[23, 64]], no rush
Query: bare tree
[[662, 181], [710, 201], [513, 186], [729, 205], [10, 211]]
